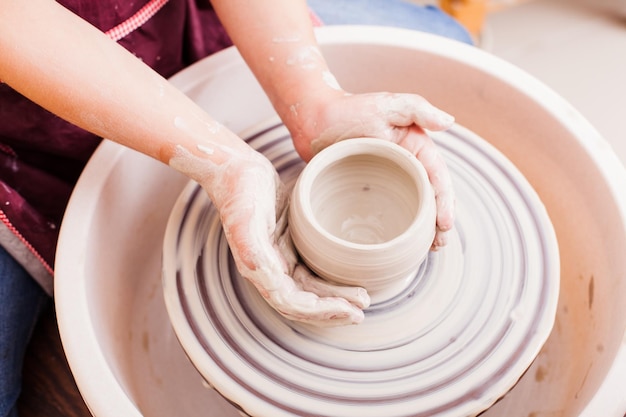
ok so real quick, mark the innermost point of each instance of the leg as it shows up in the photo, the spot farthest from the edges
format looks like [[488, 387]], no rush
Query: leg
[[398, 13], [21, 300]]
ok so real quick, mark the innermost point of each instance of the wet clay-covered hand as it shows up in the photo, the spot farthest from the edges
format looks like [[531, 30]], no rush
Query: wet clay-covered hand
[[252, 203], [400, 118]]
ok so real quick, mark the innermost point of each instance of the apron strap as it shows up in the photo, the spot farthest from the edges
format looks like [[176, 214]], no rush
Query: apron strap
[[136, 21]]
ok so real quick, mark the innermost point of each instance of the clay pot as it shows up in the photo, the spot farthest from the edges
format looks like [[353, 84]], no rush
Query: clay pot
[[363, 213]]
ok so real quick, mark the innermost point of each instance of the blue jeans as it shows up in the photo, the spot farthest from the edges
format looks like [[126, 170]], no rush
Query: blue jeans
[[397, 13], [21, 301]]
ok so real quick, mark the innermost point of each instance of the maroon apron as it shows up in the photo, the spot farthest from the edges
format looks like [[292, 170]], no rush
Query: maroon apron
[[42, 156]]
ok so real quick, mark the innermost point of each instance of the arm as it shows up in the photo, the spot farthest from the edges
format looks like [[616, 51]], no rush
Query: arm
[[67, 66], [276, 40]]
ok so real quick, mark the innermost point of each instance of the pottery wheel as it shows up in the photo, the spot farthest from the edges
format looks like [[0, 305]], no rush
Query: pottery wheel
[[458, 337]]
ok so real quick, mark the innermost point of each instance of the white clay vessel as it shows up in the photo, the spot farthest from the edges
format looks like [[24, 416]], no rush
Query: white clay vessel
[[363, 213]]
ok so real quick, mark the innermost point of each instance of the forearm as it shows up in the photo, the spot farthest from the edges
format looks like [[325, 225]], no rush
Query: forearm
[[69, 67], [277, 41]]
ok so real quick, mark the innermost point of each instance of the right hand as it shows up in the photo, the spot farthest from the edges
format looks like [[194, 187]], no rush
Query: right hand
[[400, 118]]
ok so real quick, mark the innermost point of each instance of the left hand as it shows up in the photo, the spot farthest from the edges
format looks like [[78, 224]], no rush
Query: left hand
[[252, 202], [399, 118]]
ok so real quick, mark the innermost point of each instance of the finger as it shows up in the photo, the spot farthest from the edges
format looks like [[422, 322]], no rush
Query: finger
[[285, 247], [309, 282], [282, 203], [444, 197], [408, 109], [441, 239], [306, 307], [291, 301], [423, 147]]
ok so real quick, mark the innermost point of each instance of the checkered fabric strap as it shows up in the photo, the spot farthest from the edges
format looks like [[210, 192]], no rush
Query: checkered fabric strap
[[137, 20], [315, 19]]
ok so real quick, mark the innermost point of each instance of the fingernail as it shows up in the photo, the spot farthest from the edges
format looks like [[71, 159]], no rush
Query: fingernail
[[364, 297], [441, 239], [358, 317]]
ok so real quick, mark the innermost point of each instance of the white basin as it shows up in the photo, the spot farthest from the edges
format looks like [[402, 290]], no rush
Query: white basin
[[112, 319]]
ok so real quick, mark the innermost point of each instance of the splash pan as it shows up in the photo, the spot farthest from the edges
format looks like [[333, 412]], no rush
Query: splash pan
[[111, 312]]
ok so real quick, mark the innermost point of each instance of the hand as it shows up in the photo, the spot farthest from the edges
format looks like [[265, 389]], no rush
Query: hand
[[252, 203], [399, 118]]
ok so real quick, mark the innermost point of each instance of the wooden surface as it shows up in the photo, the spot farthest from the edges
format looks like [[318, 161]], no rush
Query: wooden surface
[[49, 390]]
